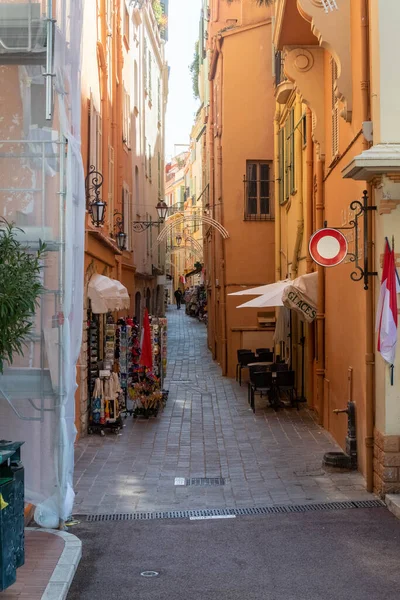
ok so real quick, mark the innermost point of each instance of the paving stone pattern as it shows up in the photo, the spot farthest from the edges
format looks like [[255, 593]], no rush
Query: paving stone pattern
[[208, 430], [42, 553]]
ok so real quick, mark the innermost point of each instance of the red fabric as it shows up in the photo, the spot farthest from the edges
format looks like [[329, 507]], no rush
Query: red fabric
[[146, 357]]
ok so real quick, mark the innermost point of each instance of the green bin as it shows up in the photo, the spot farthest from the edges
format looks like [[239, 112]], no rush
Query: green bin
[[12, 551]]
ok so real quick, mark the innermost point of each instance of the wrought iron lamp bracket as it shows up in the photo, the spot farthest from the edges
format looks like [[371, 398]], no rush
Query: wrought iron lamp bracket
[[361, 269], [94, 181], [140, 226]]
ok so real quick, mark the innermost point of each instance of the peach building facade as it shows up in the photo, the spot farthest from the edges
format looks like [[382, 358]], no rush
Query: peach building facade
[[336, 134], [240, 145], [124, 91]]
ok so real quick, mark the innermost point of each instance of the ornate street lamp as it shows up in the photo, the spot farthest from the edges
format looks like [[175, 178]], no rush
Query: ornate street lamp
[[178, 240], [120, 234], [95, 205], [162, 211]]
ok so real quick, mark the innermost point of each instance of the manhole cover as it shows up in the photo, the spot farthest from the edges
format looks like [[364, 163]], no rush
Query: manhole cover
[[149, 574]]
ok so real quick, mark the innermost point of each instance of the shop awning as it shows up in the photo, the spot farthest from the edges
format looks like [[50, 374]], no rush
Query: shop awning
[[298, 294], [107, 295], [263, 289], [194, 272]]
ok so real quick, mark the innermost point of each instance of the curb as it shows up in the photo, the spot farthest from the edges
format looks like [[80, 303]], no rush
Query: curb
[[61, 579], [393, 504]]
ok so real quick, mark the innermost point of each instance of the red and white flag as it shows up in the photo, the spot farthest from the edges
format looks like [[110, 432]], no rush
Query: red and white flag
[[386, 315]]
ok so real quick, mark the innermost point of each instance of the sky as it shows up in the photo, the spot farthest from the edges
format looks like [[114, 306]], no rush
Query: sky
[[183, 31]]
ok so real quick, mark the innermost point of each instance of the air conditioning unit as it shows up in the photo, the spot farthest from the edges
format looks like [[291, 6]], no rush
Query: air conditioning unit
[[23, 34]]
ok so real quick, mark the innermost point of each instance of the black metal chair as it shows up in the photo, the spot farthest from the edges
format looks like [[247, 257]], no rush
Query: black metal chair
[[262, 350], [266, 357], [274, 368], [243, 360], [260, 383], [239, 353], [255, 369], [285, 382]]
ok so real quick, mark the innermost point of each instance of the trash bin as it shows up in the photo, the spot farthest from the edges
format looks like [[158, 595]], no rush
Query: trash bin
[[12, 551]]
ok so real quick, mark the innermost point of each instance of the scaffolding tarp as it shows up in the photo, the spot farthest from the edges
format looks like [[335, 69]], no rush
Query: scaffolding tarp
[[42, 191]]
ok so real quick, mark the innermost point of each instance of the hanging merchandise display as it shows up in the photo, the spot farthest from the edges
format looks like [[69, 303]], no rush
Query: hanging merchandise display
[[196, 302], [145, 387]]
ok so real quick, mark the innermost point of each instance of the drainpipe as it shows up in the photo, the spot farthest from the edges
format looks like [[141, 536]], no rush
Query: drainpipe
[[212, 324], [309, 261], [369, 315], [224, 341], [300, 214], [309, 186], [277, 159], [319, 222]]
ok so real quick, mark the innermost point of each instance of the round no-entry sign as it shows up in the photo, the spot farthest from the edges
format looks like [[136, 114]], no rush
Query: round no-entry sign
[[328, 247]]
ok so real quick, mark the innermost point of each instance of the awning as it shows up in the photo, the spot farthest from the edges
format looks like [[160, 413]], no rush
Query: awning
[[298, 294], [107, 295], [194, 272], [262, 289]]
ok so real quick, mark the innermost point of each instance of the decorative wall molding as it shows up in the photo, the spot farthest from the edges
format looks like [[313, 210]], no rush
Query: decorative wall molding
[[305, 67], [334, 34]]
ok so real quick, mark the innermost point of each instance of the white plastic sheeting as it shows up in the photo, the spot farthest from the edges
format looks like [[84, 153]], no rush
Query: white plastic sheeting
[[42, 190]]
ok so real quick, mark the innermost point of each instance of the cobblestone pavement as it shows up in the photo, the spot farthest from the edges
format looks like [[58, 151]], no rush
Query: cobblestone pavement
[[208, 430]]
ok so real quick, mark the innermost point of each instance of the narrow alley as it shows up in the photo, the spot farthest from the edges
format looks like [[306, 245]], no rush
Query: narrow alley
[[208, 431]]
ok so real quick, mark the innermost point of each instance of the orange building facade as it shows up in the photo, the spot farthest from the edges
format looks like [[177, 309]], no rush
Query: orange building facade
[[240, 144], [336, 133], [124, 88]]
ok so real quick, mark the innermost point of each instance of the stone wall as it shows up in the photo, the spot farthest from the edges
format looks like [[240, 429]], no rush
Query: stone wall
[[386, 463]]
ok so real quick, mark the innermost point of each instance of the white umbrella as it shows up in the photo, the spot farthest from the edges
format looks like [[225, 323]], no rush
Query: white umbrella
[[263, 289]]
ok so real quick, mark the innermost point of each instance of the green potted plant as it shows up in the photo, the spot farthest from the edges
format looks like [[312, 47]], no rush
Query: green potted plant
[[20, 290]]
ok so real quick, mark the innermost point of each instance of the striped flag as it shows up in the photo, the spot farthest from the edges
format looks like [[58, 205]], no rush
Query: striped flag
[[386, 315]]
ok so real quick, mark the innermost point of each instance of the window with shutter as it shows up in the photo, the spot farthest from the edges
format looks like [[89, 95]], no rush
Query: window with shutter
[[145, 65], [292, 153], [335, 109], [150, 161], [159, 175], [150, 77], [126, 121], [146, 167], [258, 188], [126, 213], [111, 180], [282, 166]]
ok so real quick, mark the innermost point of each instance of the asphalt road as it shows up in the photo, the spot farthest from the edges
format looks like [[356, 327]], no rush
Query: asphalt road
[[338, 555]]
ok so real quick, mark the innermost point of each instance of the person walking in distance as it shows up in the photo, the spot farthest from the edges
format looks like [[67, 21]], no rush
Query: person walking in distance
[[178, 298]]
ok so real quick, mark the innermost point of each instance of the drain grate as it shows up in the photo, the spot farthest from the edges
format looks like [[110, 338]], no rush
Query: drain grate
[[264, 510], [205, 481]]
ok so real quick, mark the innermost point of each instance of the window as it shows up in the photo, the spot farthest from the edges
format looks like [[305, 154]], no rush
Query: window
[[126, 213], [159, 101], [150, 161], [145, 65], [126, 25], [136, 88], [146, 166], [258, 188], [159, 175], [111, 179], [282, 166], [335, 110], [287, 166], [95, 138], [149, 81], [126, 123]]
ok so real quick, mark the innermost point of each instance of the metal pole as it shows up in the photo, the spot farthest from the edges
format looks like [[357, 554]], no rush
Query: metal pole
[[49, 61]]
